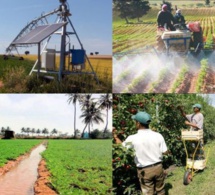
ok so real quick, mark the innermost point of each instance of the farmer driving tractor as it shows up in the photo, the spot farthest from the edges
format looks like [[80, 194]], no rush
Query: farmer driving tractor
[[149, 148], [165, 19]]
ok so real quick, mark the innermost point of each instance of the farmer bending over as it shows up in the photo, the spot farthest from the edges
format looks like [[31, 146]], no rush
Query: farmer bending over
[[165, 17], [149, 147]]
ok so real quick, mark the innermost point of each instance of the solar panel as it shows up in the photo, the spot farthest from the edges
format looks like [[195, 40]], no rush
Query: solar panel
[[38, 34]]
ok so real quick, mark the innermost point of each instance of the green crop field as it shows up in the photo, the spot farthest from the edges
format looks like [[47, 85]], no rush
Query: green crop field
[[140, 67], [80, 167], [11, 149], [14, 77], [135, 35]]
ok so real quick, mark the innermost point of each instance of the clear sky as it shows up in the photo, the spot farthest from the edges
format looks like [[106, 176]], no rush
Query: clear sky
[[92, 20], [42, 111]]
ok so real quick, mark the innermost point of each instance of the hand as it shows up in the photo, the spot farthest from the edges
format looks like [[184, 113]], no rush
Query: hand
[[114, 132], [187, 123]]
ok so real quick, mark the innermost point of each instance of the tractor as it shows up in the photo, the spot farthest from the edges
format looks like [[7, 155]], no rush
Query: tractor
[[185, 38]]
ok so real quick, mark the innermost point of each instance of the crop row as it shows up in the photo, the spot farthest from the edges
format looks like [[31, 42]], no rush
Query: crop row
[[11, 149], [202, 74], [80, 167], [134, 36]]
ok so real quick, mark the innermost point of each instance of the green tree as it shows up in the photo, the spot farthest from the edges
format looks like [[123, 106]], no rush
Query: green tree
[[123, 8], [139, 8], [166, 119], [92, 114], [95, 134], [33, 131], [207, 2], [23, 130], [54, 131], [38, 132], [106, 103], [74, 98], [45, 131]]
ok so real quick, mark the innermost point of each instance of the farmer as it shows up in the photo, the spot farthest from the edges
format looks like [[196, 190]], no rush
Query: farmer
[[149, 147], [165, 18], [179, 18], [195, 122]]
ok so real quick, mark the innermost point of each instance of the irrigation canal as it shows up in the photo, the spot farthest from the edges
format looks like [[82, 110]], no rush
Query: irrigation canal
[[20, 180]]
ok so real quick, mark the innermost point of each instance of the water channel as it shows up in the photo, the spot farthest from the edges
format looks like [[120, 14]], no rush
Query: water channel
[[20, 180]]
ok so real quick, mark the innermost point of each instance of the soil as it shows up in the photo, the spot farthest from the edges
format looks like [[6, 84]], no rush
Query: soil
[[165, 84], [209, 86], [42, 184], [189, 84], [11, 164]]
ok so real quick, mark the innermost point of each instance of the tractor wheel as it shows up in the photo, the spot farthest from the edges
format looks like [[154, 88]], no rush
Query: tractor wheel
[[187, 177]]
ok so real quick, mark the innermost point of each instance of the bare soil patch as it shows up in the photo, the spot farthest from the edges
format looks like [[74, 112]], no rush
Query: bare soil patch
[[42, 184], [209, 86]]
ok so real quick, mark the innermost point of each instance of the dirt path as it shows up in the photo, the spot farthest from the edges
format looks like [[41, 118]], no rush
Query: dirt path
[[202, 183]]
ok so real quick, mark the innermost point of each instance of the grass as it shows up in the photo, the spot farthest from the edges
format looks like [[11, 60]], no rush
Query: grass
[[203, 182], [80, 166], [11, 149], [14, 74]]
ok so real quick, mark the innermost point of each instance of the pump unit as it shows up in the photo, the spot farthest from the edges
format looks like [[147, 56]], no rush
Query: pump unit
[[48, 59]]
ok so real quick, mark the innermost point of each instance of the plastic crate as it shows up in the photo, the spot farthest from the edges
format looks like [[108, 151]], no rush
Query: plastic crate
[[192, 135]]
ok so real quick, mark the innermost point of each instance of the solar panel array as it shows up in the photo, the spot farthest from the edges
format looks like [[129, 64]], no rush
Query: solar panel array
[[38, 34]]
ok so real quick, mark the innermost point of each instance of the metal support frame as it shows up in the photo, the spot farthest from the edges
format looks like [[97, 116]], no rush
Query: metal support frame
[[63, 15]]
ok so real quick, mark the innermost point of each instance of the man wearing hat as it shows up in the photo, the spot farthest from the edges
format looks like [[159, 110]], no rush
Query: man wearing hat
[[179, 18], [149, 147], [195, 120], [165, 18]]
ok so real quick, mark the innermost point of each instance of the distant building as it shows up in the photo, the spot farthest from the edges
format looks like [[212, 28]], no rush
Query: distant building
[[8, 134]]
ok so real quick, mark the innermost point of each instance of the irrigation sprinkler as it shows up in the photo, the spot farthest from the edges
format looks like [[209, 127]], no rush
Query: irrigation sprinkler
[[40, 30]]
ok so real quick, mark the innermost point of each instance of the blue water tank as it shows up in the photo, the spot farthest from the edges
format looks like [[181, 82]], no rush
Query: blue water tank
[[78, 56], [86, 136]]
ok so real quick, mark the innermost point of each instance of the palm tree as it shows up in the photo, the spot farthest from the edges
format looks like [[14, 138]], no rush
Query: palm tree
[[33, 131], [28, 130], [23, 130], [38, 132], [85, 101], [54, 131], [106, 103], [92, 114], [45, 131], [74, 98]]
